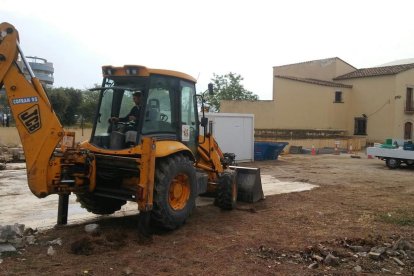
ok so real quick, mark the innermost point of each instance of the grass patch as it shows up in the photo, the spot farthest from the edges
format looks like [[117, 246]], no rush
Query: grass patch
[[398, 217]]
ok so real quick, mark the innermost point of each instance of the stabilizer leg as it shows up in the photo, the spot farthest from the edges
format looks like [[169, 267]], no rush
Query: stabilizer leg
[[62, 218], [144, 227]]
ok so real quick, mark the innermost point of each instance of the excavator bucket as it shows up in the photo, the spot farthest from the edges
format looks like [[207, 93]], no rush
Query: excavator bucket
[[249, 184]]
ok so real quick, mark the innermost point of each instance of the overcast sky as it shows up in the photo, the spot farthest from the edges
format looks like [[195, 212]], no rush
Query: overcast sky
[[205, 37]]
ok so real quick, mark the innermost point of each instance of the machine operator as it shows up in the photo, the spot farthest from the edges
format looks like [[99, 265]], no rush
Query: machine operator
[[133, 115]]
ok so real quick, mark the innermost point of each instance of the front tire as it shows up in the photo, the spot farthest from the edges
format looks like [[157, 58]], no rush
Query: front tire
[[226, 198], [175, 191], [392, 163]]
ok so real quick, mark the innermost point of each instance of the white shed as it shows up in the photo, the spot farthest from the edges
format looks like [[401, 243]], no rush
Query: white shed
[[234, 133]]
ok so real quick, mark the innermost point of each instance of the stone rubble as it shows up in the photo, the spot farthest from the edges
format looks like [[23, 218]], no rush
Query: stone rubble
[[31, 240], [400, 263], [317, 258], [11, 232], [374, 255], [7, 248], [331, 260], [359, 255], [403, 244], [384, 270], [92, 229], [14, 237], [57, 241], [51, 251], [8, 155], [358, 268], [313, 265]]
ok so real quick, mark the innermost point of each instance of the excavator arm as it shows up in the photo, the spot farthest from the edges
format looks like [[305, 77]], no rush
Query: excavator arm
[[49, 169]]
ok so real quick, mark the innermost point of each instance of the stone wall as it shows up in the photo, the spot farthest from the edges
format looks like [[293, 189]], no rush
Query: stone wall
[[310, 137]]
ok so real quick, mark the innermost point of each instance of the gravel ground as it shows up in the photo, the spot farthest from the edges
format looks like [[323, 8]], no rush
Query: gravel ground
[[359, 219]]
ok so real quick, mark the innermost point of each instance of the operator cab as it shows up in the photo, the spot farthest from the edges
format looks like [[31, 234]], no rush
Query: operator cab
[[167, 107]]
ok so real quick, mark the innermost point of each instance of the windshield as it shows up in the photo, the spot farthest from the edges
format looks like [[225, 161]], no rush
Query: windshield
[[118, 118], [159, 106]]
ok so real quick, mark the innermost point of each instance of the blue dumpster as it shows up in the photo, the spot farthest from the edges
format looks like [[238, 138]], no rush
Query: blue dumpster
[[268, 150]]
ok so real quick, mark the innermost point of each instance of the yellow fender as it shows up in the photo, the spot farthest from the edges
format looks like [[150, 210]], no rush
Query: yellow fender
[[165, 148]]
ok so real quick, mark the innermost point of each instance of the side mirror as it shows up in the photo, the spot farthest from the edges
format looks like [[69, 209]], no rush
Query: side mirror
[[204, 122], [210, 89]]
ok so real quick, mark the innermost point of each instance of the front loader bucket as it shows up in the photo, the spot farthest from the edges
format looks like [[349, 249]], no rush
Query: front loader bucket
[[249, 184]]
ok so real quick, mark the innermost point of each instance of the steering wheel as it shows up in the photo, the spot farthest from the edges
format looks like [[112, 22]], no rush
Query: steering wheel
[[163, 117], [123, 126]]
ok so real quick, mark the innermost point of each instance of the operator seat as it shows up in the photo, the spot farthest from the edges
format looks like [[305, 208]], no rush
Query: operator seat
[[153, 112]]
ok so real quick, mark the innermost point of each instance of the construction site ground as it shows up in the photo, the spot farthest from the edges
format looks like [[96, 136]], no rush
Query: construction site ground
[[358, 202]]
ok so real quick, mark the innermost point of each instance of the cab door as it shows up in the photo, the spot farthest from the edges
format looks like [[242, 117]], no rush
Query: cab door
[[161, 115], [189, 116]]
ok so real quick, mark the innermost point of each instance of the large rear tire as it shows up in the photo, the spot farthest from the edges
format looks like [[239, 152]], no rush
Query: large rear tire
[[226, 198], [99, 205], [175, 191]]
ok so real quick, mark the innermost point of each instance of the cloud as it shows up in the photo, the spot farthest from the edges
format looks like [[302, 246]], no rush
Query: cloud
[[202, 37]]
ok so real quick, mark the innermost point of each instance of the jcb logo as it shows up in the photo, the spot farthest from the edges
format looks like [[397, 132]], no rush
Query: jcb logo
[[31, 119]]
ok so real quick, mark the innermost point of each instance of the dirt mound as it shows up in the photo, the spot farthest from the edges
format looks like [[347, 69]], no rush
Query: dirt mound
[[89, 245]]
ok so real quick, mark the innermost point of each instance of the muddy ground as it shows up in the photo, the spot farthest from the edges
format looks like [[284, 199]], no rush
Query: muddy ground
[[359, 204]]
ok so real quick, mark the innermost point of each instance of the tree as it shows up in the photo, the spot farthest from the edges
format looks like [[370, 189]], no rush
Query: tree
[[89, 105], [228, 87], [59, 101], [72, 111], [66, 103], [3, 101]]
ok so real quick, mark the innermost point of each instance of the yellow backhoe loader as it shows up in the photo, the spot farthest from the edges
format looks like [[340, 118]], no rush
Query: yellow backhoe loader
[[156, 158]]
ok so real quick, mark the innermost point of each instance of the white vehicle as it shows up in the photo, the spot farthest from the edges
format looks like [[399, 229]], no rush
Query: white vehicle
[[393, 157]]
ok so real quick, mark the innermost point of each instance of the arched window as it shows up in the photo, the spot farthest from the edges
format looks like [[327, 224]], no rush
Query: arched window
[[408, 131]]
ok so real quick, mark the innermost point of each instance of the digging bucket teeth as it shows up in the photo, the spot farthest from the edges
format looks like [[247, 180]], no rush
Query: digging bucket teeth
[[249, 184]]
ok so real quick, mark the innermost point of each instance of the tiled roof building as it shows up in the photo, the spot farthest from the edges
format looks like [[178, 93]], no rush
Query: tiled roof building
[[332, 95]]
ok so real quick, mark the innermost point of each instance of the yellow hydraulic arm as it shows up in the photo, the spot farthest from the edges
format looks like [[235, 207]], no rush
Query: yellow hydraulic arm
[[48, 170]]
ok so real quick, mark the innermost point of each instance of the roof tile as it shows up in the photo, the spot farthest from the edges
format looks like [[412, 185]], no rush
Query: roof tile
[[315, 81], [376, 71]]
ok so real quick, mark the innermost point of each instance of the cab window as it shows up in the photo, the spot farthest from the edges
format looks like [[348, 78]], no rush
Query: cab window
[[159, 111]]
